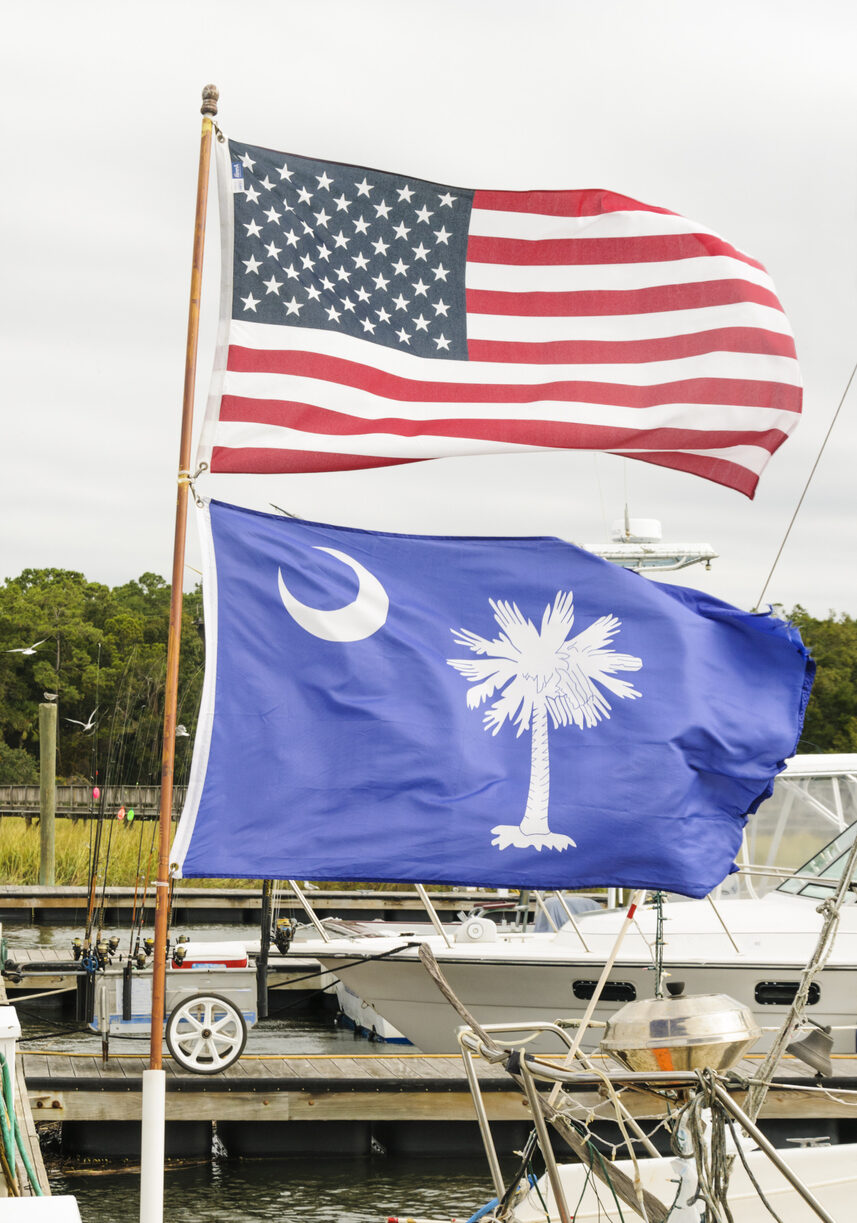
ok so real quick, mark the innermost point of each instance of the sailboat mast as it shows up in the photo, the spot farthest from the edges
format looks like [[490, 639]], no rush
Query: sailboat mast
[[208, 109]]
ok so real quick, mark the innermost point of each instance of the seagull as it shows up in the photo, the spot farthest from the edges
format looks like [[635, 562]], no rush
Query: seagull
[[28, 649], [86, 725], [50, 696], [181, 731]]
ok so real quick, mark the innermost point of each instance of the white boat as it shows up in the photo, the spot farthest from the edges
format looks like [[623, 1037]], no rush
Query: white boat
[[752, 945], [828, 1172]]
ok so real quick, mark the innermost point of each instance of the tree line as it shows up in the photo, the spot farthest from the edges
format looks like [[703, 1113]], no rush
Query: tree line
[[102, 657]]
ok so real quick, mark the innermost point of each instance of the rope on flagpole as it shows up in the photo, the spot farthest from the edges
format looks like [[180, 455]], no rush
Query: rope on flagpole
[[806, 487], [190, 479]]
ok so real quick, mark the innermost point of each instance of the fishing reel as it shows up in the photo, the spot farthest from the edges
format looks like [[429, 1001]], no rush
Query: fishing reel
[[89, 961], [12, 972], [76, 948], [282, 934]]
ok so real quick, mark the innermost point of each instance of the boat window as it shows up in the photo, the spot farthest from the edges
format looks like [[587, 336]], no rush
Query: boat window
[[613, 991], [782, 993], [826, 865], [813, 800]]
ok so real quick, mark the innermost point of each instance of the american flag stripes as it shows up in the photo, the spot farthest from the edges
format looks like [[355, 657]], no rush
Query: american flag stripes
[[370, 319]]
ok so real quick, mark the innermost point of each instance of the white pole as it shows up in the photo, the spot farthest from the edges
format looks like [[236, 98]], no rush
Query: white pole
[[432, 912], [309, 910], [152, 1146], [637, 899], [572, 922], [540, 902]]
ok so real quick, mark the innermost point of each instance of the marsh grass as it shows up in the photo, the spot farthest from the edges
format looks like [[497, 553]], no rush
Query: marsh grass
[[129, 844], [19, 856]]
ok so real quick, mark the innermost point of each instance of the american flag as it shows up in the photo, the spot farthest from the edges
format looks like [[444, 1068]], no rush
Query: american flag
[[371, 318]]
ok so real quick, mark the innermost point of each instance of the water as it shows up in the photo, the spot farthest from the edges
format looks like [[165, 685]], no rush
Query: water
[[61, 936], [298, 1034], [292, 1191]]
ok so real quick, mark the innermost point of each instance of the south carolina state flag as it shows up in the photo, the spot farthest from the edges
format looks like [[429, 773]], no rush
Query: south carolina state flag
[[461, 710]]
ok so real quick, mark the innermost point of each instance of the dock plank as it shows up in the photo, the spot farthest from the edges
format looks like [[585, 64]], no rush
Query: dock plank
[[238, 1070], [285, 1067], [35, 1063], [60, 1066]]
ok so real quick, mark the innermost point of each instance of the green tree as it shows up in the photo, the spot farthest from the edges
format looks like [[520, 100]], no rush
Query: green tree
[[831, 716], [18, 767]]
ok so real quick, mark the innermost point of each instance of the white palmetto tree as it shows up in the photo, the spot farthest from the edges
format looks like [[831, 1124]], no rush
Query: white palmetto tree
[[541, 674]]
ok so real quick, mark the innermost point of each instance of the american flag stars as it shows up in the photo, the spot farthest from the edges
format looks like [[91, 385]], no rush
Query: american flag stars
[[365, 253]]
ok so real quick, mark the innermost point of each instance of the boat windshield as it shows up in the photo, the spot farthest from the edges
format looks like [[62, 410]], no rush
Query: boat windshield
[[827, 864], [798, 829]]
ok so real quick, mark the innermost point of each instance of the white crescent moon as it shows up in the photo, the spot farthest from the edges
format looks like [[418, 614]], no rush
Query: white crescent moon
[[353, 622]]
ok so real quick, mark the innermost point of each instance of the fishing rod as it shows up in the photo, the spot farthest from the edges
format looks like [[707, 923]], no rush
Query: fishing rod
[[140, 914], [149, 738], [95, 842], [119, 769]]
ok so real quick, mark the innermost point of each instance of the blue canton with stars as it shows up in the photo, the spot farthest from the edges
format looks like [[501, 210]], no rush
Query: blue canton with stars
[[341, 248]]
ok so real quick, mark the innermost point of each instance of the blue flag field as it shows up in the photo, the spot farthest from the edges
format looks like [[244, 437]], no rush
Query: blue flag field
[[492, 711]]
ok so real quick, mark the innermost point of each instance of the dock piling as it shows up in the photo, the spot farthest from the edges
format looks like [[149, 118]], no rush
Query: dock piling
[[47, 793]]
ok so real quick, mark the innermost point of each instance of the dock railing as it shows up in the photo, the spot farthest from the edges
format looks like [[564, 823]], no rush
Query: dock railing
[[76, 801]]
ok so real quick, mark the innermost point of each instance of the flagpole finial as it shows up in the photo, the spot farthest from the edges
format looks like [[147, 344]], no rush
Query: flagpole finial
[[210, 95]]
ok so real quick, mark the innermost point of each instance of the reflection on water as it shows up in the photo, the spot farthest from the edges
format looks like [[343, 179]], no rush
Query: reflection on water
[[292, 1191]]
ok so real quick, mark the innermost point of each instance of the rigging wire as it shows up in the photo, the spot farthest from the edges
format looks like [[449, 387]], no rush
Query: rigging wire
[[806, 487]]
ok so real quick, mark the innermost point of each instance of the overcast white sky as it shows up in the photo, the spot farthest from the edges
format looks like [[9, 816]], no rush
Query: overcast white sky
[[741, 115]]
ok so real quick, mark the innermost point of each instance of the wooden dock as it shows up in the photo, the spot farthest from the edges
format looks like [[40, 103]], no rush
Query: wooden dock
[[333, 1103], [312, 1087], [269, 1105]]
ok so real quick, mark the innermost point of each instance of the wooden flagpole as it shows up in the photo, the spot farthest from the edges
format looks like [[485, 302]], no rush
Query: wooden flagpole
[[209, 108], [154, 1084]]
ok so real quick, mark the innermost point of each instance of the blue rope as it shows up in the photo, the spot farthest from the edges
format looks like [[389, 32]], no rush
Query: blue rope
[[489, 1206]]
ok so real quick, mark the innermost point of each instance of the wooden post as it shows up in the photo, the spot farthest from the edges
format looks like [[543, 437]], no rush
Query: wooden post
[[47, 793], [209, 108], [264, 946]]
